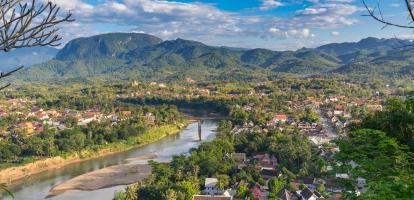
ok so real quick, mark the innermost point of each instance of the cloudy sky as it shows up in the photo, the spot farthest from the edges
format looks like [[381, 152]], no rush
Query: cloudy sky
[[272, 24]]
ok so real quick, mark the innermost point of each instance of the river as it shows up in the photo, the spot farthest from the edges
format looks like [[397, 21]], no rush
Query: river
[[38, 186]]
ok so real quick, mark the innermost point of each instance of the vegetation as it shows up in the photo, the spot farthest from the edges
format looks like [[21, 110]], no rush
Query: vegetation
[[20, 148], [382, 151], [128, 56]]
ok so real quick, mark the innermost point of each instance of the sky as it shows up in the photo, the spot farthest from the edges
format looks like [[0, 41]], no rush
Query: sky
[[270, 24]]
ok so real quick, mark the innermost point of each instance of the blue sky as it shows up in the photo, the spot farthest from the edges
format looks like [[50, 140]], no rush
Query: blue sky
[[271, 24]]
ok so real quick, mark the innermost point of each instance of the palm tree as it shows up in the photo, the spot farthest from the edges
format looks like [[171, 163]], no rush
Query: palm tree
[[223, 182]]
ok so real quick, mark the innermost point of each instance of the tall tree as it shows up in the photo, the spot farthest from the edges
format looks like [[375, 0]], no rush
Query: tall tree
[[27, 24]]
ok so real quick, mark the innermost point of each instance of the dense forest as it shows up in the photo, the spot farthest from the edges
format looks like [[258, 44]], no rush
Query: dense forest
[[130, 56]]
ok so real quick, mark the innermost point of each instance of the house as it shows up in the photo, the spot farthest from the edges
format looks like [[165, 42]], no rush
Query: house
[[162, 85], [338, 112], [307, 194], [342, 176], [339, 107], [190, 80], [126, 113], [332, 99], [3, 113], [239, 157], [39, 129], [211, 197], [280, 118], [53, 113], [210, 186], [42, 116], [333, 186], [285, 195], [270, 173], [265, 161], [361, 182], [360, 102], [27, 127], [150, 118], [308, 181], [35, 110], [353, 164], [374, 107], [201, 92]]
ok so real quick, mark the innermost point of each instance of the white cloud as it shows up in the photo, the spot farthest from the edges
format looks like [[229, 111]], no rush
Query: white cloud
[[335, 33], [274, 30], [270, 4], [406, 36], [292, 33], [199, 21]]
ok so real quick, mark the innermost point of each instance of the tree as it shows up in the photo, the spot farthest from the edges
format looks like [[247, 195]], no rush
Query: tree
[[189, 189], [242, 191], [28, 24], [275, 185], [377, 14], [223, 182], [171, 194]]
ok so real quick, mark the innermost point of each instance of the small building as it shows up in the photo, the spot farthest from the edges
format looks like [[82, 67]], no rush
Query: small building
[[126, 113], [285, 195], [42, 116], [280, 118], [353, 164], [361, 182], [307, 194], [239, 157], [265, 161], [270, 173], [338, 113], [342, 176], [210, 186], [211, 197]]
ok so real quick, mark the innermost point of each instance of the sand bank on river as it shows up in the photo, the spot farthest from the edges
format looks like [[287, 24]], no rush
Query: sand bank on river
[[150, 156], [104, 178], [14, 175]]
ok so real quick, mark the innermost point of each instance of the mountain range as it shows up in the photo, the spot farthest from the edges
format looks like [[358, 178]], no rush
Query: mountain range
[[26, 57], [132, 56]]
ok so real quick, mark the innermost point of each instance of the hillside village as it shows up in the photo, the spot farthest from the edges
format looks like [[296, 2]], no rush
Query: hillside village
[[29, 119], [319, 119]]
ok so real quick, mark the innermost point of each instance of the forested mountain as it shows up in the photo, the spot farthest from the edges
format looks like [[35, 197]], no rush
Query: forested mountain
[[26, 57], [128, 56]]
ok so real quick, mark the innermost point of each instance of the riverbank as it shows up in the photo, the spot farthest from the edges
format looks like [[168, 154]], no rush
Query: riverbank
[[107, 177], [12, 175]]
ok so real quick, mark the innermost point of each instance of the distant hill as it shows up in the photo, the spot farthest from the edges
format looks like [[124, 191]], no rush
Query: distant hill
[[370, 45], [26, 57], [105, 46], [128, 56]]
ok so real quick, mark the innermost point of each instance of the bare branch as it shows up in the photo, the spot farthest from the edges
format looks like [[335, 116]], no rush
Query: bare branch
[[378, 16], [27, 24]]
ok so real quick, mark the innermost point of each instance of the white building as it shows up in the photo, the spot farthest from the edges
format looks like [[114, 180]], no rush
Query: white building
[[211, 186]]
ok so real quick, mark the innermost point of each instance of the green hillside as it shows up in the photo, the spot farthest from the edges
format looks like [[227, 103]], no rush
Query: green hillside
[[130, 56]]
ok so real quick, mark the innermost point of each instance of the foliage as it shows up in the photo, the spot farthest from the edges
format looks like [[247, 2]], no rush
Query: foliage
[[396, 120], [275, 185], [386, 164], [242, 191]]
